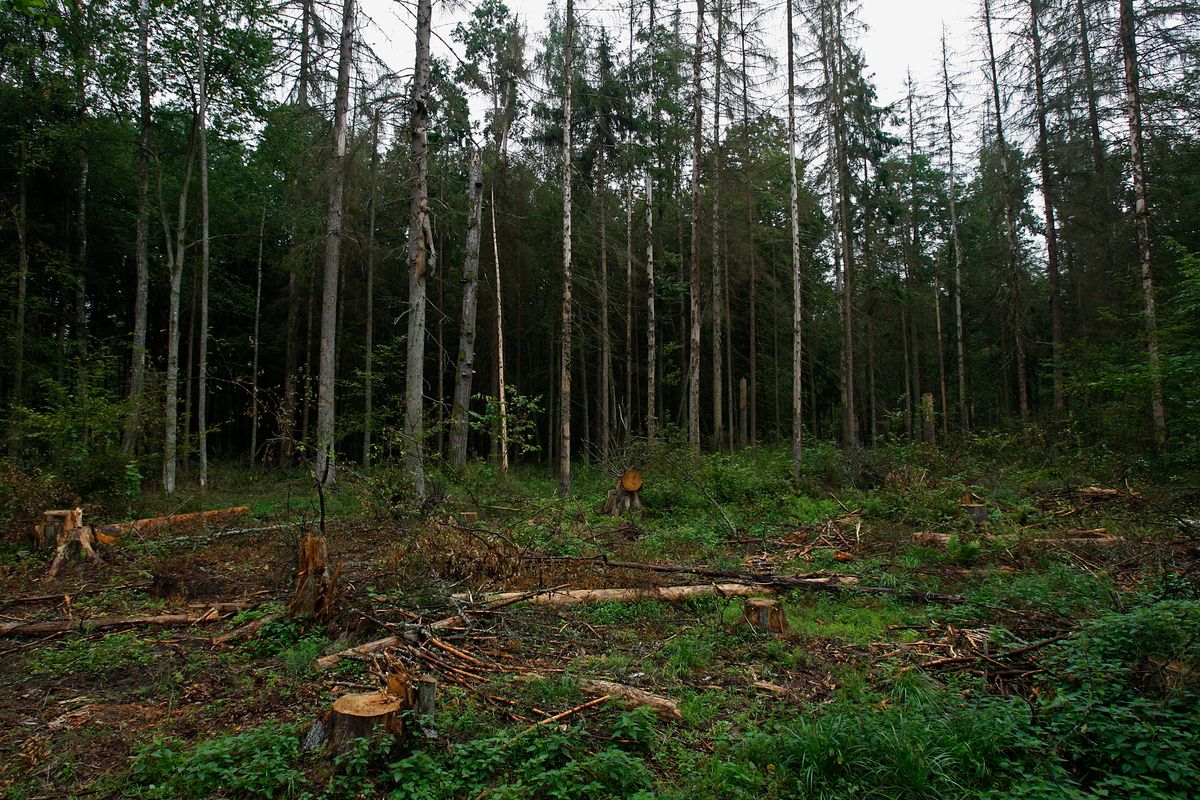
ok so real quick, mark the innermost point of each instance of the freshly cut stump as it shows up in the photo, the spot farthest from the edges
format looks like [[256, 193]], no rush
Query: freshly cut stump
[[624, 497], [365, 715], [765, 615]]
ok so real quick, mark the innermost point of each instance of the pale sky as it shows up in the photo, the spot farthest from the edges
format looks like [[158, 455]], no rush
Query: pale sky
[[901, 34]]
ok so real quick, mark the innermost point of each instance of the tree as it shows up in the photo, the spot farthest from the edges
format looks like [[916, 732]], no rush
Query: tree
[[564, 373], [326, 445], [797, 277]]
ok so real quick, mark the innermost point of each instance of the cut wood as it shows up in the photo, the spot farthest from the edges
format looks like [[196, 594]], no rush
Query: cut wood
[[931, 539], [816, 582], [54, 524], [209, 613], [365, 715], [667, 594], [175, 522], [624, 496], [631, 697], [764, 615]]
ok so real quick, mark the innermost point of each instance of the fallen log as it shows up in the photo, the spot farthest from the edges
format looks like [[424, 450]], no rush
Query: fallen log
[[631, 697], [211, 613], [176, 521], [667, 594], [815, 582]]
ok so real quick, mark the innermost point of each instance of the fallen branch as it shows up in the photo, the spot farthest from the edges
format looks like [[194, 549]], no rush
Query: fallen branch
[[210, 613], [667, 594], [632, 698], [567, 713], [816, 582]]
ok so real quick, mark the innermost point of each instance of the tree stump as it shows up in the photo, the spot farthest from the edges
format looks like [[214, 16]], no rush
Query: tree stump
[[623, 497], [365, 715], [316, 591], [54, 524], [764, 615], [73, 543]]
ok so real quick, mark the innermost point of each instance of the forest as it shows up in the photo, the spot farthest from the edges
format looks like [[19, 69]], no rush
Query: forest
[[647, 399]]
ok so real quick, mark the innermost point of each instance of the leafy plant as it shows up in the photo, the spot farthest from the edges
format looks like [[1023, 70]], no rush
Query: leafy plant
[[261, 762]]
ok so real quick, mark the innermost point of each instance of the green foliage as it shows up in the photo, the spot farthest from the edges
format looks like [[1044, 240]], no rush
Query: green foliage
[[260, 762], [95, 658], [522, 412], [1124, 698], [24, 495]]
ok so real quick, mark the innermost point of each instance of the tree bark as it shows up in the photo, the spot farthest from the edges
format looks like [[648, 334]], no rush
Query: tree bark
[[718, 297], [369, 354], [956, 236], [202, 142], [605, 341], [22, 226], [137, 371], [797, 277], [564, 377], [693, 372], [501, 377], [262, 225], [1141, 216], [420, 257], [326, 457], [464, 374], [752, 431], [175, 264]]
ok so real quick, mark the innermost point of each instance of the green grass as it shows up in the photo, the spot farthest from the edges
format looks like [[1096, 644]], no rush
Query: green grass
[[93, 658]]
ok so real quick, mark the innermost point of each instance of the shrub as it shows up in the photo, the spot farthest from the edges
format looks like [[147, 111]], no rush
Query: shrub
[[24, 495], [260, 762]]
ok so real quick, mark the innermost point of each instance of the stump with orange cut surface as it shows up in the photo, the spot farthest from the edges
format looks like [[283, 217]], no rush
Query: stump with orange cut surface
[[624, 497], [364, 715], [765, 615]]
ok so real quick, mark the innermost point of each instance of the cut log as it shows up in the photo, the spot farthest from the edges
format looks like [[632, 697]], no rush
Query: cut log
[[366, 715], [72, 543], [624, 497], [209, 613], [630, 697], [178, 522], [764, 615], [667, 594]]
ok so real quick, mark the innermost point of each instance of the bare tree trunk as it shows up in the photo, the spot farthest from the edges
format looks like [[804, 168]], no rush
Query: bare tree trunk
[[849, 417], [262, 226], [752, 428], [465, 371], [1052, 267], [718, 300], [175, 263], [651, 318], [1141, 216], [326, 456], [202, 141], [941, 347], [693, 372], [501, 378], [797, 276], [605, 343], [627, 412], [564, 377], [956, 236], [22, 226], [1010, 220], [420, 257], [369, 355], [137, 372], [914, 258]]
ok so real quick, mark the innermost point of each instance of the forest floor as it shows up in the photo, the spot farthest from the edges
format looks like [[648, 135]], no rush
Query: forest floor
[[1061, 657]]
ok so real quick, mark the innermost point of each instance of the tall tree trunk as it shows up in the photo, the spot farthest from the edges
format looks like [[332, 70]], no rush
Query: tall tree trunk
[[137, 371], [564, 376], [941, 347], [420, 257], [287, 411], [627, 405], [175, 263], [651, 318], [797, 276], [262, 226], [501, 378], [849, 417], [369, 355], [718, 300], [1089, 80], [1052, 266], [956, 236], [18, 385], [1141, 216], [202, 140], [326, 456], [693, 371], [465, 367], [914, 259], [605, 343], [1010, 220], [752, 428]]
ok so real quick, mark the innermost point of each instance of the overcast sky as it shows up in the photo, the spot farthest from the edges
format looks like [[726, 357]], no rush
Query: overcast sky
[[899, 35]]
